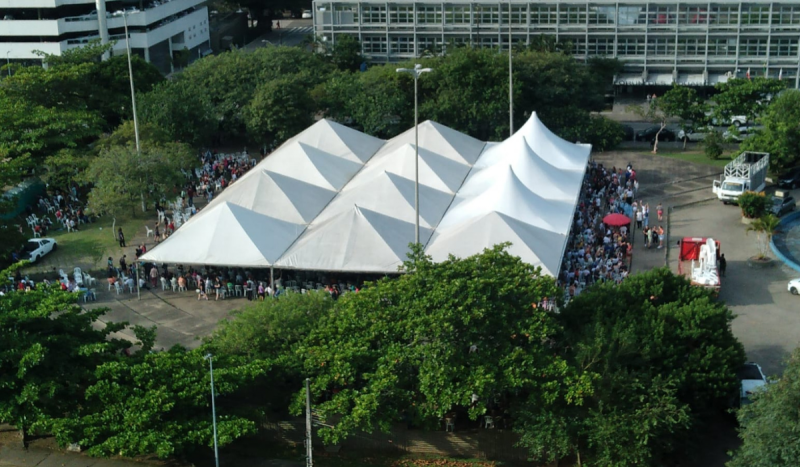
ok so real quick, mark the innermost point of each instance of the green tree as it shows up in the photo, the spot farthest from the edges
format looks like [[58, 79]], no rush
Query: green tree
[[65, 166], [270, 331], [764, 227], [460, 335], [712, 144], [346, 53], [660, 353], [279, 109], [123, 178], [180, 111], [781, 133], [748, 97], [768, 427], [160, 403], [683, 103], [49, 348]]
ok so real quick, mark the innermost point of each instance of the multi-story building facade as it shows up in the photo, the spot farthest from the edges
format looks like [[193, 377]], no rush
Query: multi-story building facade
[[660, 42], [158, 28]]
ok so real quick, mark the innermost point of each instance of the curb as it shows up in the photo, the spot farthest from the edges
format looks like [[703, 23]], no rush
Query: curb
[[779, 253]]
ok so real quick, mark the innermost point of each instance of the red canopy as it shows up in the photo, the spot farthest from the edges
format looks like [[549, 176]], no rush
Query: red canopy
[[616, 220]]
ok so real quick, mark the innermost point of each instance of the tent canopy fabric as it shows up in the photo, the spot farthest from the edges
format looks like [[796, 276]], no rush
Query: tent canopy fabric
[[334, 199]]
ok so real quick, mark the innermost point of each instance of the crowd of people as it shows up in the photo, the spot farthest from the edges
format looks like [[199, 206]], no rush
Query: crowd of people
[[597, 252]]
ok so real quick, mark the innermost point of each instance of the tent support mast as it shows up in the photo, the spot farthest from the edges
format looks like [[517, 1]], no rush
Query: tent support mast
[[272, 279]]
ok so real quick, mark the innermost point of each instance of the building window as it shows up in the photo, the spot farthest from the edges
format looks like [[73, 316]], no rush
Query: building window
[[486, 41], [487, 14], [518, 15], [600, 46], [755, 14], [630, 46], [785, 14], [401, 14], [722, 47], [784, 47], [402, 45], [753, 47], [372, 14], [345, 13], [374, 44], [631, 15], [661, 46], [456, 14], [429, 45], [691, 45], [429, 14], [692, 14], [544, 14], [725, 14], [572, 14], [573, 45], [601, 14], [661, 15]]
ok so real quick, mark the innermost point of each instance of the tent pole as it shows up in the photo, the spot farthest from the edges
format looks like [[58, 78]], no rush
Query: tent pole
[[272, 280], [138, 287]]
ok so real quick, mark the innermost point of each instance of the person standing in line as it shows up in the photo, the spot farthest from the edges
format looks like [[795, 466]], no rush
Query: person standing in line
[[660, 237], [723, 265], [646, 234], [660, 211], [639, 217], [121, 238], [646, 215]]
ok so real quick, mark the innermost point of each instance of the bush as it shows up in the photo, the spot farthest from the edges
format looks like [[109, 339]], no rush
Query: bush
[[712, 145], [754, 205]]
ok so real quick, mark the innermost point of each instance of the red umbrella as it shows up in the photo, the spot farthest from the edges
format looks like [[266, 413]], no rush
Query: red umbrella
[[616, 220]]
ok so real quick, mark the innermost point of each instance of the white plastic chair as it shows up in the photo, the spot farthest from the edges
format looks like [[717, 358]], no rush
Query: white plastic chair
[[174, 284], [150, 232], [238, 290], [37, 234], [164, 285], [117, 287]]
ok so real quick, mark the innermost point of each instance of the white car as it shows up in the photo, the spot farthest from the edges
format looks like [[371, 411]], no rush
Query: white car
[[694, 135], [752, 378], [306, 14], [794, 286], [38, 247]]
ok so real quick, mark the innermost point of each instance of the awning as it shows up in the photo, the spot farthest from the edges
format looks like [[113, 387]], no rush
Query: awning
[[629, 79], [718, 78], [691, 79], [661, 79]]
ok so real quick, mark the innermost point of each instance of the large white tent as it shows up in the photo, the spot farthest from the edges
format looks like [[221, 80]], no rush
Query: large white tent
[[335, 199]]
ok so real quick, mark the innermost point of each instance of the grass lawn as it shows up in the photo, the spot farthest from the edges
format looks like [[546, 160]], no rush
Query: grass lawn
[[697, 156], [89, 247]]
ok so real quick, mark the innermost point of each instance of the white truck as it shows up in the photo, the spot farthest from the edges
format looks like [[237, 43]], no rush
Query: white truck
[[748, 172]]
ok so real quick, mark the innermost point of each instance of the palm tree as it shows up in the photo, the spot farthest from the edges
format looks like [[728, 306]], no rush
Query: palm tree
[[764, 227]]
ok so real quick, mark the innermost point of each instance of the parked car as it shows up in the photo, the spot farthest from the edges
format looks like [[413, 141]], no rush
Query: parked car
[[695, 135], [306, 14], [794, 286], [752, 378], [736, 120], [781, 206], [627, 133], [791, 180], [744, 133], [649, 134], [38, 247]]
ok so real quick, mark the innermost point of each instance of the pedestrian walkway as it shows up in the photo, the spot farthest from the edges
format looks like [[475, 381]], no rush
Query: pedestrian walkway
[[38, 457]]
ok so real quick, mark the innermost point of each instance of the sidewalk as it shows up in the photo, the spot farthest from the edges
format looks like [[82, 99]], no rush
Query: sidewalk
[[18, 457]]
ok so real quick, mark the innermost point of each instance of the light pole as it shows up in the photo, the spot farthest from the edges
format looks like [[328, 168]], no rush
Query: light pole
[[415, 72], [209, 357], [130, 76], [510, 78], [8, 63]]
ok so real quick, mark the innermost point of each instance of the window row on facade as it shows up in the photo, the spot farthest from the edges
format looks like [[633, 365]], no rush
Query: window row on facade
[[721, 15], [621, 46]]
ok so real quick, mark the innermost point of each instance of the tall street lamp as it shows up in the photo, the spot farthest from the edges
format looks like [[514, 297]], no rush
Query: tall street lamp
[[510, 78], [209, 357], [130, 77], [415, 72]]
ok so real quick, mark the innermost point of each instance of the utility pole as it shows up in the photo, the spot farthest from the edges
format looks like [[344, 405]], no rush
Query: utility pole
[[130, 77], [510, 78], [209, 357], [309, 450]]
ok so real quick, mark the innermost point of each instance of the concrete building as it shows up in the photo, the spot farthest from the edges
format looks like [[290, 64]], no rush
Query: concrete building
[[660, 42], [158, 28]]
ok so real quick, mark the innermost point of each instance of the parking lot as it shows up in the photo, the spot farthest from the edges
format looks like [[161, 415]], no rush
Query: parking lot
[[767, 316]]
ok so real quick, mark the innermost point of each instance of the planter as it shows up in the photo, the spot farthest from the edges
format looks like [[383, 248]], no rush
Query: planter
[[748, 220], [760, 263]]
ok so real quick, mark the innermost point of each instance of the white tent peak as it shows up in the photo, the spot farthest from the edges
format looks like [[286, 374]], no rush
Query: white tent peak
[[339, 140], [312, 165], [441, 140], [559, 152], [357, 240]]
